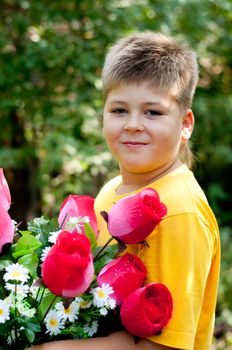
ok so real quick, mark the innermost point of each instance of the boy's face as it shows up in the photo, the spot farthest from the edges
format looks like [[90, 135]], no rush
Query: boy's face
[[144, 127]]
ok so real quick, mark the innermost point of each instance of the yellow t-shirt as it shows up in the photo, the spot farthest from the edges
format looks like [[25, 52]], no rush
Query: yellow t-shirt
[[183, 253]]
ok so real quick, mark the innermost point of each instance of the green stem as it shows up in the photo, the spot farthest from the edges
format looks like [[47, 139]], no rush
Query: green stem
[[103, 248], [61, 226], [41, 296], [49, 307], [15, 310]]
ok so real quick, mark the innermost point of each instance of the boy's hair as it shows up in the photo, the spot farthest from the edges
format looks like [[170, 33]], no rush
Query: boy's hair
[[156, 58]]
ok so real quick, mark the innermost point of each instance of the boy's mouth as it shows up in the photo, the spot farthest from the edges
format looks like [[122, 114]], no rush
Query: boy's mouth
[[134, 144]]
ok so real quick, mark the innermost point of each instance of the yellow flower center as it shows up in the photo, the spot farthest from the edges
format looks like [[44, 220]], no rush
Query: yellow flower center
[[84, 304], [16, 274], [1, 312], [67, 311], [101, 293], [53, 323]]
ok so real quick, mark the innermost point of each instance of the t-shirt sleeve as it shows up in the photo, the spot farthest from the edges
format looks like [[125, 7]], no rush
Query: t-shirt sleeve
[[180, 254]]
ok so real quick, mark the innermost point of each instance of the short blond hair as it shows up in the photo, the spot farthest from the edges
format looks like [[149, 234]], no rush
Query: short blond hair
[[159, 59]]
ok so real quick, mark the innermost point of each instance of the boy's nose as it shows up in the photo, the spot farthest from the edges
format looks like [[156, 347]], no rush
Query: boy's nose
[[133, 124]]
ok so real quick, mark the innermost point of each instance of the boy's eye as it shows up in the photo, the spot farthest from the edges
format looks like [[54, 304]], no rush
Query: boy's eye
[[152, 112], [119, 111]]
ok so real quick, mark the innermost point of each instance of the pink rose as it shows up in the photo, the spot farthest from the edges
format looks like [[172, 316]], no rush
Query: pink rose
[[6, 228], [124, 274], [147, 310], [5, 197], [134, 217], [68, 268], [79, 207]]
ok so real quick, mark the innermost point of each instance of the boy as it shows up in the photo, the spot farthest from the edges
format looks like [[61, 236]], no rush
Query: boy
[[149, 80]]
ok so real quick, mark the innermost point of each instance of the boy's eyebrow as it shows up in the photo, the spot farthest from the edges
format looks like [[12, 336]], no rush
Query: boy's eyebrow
[[148, 103]]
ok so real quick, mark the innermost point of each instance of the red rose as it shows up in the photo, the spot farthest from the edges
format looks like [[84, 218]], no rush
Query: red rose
[[147, 310], [133, 218], [5, 198], [68, 268], [124, 274], [78, 207], [6, 228]]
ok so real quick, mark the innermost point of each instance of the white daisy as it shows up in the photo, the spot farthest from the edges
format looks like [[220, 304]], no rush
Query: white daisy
[[70, 313], [53, 236], [25, 310], [91, 329], [103, 311], [16, 272], [21, 289], [10, 300], [34, 290], [83, 304], [4, 311], [111, 303], [101, 295], [77, 223], [44, 253], [54, 323], [12, 337]]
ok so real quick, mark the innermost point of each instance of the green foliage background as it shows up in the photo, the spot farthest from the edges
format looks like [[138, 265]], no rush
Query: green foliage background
[[51, 54]]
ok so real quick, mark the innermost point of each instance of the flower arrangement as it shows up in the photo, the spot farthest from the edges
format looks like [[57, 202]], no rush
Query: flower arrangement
[[56, 283]]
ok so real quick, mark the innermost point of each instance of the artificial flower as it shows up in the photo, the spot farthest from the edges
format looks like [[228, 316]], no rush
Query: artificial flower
[[124, 274], [83, 304], [134, 217], [5, 197], [147, 310], [71, 257], [91, 329], [21, 289], [6, 228], [53, 236], [16, 272], [31, 312], [13, 336], [4, 311], [103, 311], [69, 313], [44, 253], [25, 310], [101, 295], [54, 323], [78, 207]]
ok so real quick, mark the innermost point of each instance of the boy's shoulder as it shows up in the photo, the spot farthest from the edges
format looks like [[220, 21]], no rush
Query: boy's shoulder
[[180, 188], [182, 194]]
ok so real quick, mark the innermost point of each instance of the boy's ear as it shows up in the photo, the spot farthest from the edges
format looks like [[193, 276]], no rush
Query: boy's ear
[[187, 125]]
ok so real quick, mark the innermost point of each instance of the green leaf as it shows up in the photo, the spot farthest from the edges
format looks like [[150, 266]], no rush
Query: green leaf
[[105, 257], [30, 335], [25, 245], [91, 235], [30, 261], [42, 227], [4, 263], [46, 301], [24, 233]]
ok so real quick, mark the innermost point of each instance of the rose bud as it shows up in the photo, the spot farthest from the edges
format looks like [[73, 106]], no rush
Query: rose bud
[[147, 310], [5, 197], [6, 228], [134, 217], [68, 267], [79, 209], [124, 274]]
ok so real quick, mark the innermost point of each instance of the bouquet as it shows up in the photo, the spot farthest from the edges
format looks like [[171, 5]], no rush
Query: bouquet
[[56, 283]]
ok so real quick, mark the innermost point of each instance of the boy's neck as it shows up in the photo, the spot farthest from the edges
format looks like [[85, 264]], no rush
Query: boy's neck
[[133, 181]]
